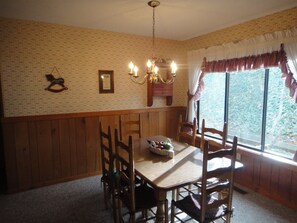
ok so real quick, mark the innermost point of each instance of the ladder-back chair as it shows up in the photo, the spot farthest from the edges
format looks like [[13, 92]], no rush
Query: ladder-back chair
[[207, 205], [107, 164], [135, 198]]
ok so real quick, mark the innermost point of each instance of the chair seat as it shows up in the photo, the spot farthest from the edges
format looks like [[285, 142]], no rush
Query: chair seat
[[191, 205], [144, 198]]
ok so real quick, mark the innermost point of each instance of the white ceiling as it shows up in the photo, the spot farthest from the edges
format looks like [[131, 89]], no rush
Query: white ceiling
[[175, 19]]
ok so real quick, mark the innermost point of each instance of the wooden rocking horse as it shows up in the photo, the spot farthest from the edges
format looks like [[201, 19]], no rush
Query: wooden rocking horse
[[55, 81]]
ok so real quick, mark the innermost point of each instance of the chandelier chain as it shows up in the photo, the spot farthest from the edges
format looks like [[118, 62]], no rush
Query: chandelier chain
[[153, 31]]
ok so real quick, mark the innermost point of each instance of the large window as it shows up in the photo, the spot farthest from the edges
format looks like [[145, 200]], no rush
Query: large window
[[257, 107]]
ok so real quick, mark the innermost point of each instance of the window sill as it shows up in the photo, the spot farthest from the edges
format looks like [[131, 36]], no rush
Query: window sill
[[242, 151], [290, 164]]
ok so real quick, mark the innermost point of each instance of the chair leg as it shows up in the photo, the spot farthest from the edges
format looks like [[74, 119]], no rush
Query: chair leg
[[166, 210], [177, 194], [114, 207], [119, 212], [172, 211], [105, 195], [174, 194], [132, 218]]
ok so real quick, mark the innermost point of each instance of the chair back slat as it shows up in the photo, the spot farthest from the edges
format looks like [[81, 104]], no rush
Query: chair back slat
[[219, 173], [218, 187], [220, 153], [213, 143]]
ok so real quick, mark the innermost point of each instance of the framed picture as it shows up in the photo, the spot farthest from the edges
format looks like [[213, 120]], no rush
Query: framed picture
[[106, 81]]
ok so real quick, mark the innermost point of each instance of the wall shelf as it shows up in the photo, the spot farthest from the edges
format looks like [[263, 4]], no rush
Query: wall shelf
[[159, 89]]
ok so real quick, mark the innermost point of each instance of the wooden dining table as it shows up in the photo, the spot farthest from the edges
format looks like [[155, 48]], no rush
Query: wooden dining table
[[165, 174]]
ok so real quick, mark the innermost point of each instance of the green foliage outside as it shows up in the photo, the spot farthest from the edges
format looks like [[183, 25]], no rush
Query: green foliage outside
[[245, 109]]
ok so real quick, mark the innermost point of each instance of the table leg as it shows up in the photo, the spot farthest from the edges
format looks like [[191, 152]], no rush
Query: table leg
[[161, 203]]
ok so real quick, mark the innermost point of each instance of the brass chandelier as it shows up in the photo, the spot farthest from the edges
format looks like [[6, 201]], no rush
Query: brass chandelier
[[152, 70]]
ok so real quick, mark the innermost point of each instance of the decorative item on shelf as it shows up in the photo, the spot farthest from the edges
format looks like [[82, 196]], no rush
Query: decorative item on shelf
[[163, 148], [54, 82], [153, 74]]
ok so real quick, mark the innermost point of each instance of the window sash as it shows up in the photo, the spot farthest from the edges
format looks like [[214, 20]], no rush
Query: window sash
[[264, 111]]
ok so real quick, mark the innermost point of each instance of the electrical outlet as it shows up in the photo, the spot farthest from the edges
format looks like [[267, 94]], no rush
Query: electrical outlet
[[238, 156]]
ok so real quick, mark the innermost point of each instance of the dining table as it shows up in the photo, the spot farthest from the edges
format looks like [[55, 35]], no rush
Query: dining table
[[167, 173]]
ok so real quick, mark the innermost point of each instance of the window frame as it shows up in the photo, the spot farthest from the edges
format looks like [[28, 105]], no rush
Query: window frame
[[264, 114]]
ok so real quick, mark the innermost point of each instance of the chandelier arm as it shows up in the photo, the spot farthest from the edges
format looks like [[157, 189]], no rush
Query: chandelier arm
[[139, 82]]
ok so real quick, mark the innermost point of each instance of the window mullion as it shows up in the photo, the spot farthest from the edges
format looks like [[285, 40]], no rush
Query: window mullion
[[227, 83], [264, 113]]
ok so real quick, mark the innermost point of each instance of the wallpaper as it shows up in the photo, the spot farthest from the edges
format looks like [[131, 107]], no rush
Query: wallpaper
[[268, 24], [29, 50]]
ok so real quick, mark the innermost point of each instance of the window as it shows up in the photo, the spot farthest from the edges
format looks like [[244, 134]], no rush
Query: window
[[257, 107]]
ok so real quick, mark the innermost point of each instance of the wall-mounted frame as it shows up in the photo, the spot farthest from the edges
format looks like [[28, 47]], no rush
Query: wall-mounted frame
[[106, 84]]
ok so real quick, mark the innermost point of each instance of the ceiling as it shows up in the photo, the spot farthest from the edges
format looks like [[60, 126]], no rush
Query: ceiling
[[175, 19]]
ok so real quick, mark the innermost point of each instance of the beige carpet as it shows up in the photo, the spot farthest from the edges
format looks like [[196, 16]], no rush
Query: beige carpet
[[82, 201]]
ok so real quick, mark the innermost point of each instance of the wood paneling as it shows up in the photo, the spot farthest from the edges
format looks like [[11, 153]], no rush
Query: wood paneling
[[294, 190], [92, 143], [42, 150], [55, 131], [23, 155], [154, 123], [10, 157], [270, 177], [45, 152], [81, 150], [34, 159], [65, 149], [72, 143]]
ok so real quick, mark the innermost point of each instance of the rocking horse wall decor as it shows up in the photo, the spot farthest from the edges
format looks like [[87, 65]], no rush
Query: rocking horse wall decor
[[55, 82]]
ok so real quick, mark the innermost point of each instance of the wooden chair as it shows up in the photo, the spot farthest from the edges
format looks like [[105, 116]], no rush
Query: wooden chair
[[107, 163], [135, 198], [207, 206], [130, 125], [187, 132], [214, 144], [221, 143]]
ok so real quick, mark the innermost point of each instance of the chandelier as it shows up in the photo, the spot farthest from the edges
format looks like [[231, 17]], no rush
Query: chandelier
[[152, 70]]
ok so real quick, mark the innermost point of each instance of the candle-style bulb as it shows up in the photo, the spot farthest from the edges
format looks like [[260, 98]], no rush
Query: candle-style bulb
[[156, 69], [131, 66], [149, 64], [173, 67], [135, 71]]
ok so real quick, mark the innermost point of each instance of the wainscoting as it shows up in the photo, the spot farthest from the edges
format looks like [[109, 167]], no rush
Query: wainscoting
[[43, 150], [273, 177]]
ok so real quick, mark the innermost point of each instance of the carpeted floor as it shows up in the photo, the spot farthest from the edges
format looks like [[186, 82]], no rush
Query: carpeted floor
[[82, 201]]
